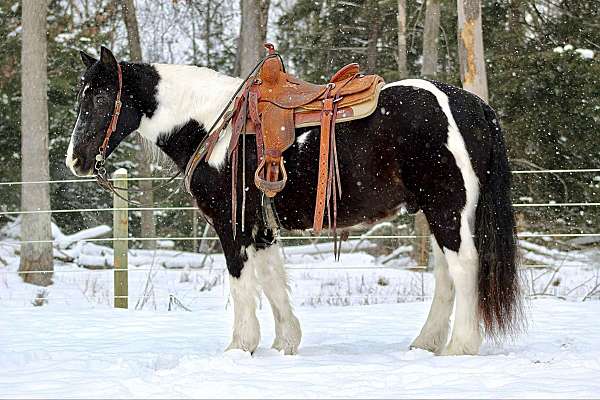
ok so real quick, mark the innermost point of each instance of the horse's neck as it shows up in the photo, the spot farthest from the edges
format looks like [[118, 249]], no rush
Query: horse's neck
[[189, 100]]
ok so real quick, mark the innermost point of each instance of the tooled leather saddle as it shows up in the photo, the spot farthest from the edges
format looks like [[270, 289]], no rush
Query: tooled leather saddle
[[271, 105]]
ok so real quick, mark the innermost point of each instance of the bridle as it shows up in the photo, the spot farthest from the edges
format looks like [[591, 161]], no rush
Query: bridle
[[101, 174], [112, 127]]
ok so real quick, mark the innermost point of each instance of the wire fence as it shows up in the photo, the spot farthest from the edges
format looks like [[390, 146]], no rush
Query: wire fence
[[158, 178], [560, 263]]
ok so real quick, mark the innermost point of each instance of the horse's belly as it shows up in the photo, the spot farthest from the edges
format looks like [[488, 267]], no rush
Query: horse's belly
[[360, 206]]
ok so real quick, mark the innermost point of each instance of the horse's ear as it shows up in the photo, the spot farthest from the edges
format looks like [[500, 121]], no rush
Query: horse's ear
[[107, 58], [88, 60]]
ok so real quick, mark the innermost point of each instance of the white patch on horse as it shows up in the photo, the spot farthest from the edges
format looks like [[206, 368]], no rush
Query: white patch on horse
[[466, 335], [69, 160], [244, 292], [184, 93], [464, 264], [85, 88], [219, 153], [269, 267]]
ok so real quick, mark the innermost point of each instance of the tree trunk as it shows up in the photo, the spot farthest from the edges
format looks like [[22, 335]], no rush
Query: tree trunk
[[146, 198], [428, 70], [430, 39], [470, 48], [421, 247], [402, 54], [253, 33], [34, 146], [373, 36]]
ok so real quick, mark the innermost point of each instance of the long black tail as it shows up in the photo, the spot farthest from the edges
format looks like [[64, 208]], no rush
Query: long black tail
[[500, 304]]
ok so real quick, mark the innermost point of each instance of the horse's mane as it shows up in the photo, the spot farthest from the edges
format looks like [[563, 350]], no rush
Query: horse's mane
[[154, 154]]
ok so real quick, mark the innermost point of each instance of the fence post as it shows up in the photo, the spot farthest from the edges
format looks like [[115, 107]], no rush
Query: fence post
[[120, 243]]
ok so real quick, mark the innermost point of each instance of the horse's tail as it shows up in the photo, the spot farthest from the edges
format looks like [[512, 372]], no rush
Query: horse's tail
[[500, 305]]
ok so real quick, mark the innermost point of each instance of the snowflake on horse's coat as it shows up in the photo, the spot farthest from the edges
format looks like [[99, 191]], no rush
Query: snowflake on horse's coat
[[436, 148]]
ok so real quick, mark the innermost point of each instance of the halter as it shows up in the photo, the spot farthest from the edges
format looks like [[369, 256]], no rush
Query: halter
[[112, 127]]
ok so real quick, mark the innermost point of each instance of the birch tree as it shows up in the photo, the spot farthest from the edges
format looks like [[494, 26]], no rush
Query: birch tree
[[34, 147], [470, 48], [253, 33], [148, 227]]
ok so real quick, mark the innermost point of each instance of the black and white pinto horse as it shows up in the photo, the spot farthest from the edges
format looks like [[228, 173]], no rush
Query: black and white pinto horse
[[429, 146]]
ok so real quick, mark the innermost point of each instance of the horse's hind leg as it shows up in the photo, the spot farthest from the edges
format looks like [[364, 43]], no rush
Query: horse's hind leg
[[272, 277], [453, 232], [464, 268], [434, 334]]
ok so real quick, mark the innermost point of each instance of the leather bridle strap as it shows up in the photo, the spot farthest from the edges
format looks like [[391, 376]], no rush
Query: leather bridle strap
[[112, 127], [101, 175]]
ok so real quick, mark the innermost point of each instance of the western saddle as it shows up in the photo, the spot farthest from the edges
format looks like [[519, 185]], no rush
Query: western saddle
[[271, 104]]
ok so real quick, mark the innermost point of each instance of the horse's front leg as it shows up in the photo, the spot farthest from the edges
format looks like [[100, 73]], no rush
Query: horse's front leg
[[268, 264], [244, 291]]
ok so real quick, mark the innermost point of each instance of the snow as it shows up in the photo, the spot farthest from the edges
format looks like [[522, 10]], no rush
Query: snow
[[586, 53], [357, 351], [583, 53], [358, 318]]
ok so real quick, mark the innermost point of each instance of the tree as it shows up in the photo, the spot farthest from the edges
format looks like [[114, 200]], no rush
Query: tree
[[253, 33], [402, 50], [34, 147], [430, 39], [374, 26], [428, 70], [148, 227], [470, 48]]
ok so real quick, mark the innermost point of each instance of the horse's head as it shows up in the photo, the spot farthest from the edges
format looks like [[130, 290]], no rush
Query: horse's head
[[96, 105]]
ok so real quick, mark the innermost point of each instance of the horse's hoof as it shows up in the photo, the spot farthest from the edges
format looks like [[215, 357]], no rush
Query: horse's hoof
[[288, 349], [427, 345], [460, 349], [236, 345]]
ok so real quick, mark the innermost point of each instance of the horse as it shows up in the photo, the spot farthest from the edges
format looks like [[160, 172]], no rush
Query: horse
[[429, 146]]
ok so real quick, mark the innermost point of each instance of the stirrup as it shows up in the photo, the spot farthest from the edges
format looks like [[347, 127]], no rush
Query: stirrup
[[270, 188]]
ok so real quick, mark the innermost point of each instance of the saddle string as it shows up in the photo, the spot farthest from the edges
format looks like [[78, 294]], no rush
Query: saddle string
[[334, 186]]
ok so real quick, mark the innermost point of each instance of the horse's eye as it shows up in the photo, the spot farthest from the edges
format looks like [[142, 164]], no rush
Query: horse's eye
[[99, 100]]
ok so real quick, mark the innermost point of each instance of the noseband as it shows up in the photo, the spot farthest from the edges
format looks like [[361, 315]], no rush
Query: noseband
[[112, 127]]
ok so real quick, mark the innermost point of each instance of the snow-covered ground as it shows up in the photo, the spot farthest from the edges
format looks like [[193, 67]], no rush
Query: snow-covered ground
[[74, 344], [355, 351]]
